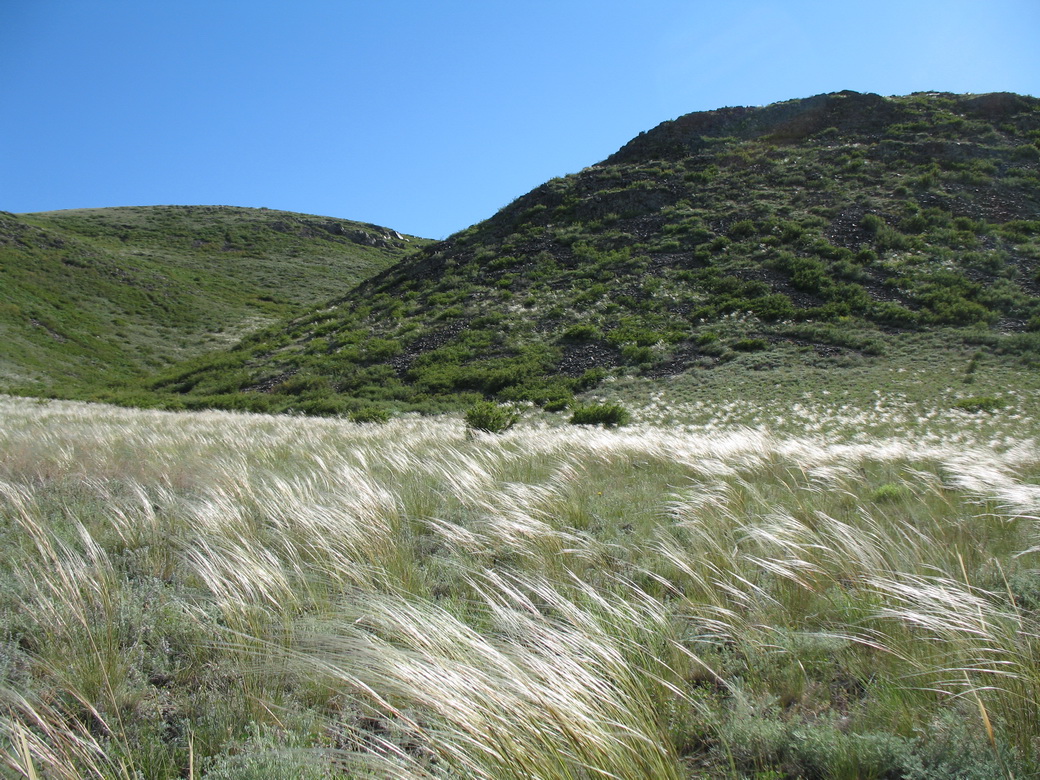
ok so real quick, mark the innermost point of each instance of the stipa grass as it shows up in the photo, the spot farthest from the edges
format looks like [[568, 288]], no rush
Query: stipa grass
[[227, 595]]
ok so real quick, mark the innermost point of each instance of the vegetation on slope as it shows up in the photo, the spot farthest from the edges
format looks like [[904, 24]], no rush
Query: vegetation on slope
[[822, 228], [95, 296], [236, 596]]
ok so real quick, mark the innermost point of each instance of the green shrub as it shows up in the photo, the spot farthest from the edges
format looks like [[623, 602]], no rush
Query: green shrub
[[581, 332], [303, 385], [370, 414], [320, 406], [894, 314], [750, 345], [772, 307], [807, 273], [872, 223], [610, 415], [745, 228], [632, 332], [590, 378], [634, 355], [889, 492], [491, 417], [947, 307], [979, 403], [708, 337]]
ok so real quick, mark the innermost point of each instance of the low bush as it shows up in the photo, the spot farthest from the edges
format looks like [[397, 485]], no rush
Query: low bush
[[581, 333], [370, 414], [751, 345], [610, 415], [745, 228], [772, 307], [491, 417], [637, 356], [979, 403]]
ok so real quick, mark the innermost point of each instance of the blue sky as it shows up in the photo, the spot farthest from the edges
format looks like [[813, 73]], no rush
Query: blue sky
[[429, 115]]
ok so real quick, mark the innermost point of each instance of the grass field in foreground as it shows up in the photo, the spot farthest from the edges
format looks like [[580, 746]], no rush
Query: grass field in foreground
[[215, 595]]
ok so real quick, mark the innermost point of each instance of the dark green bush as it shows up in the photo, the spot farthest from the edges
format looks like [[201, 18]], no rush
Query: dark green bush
[[491, 417], [872, 223], [581, 332], [321, 406], [370, 414], [807, 274], [948, 307], [745, 228], [894, 313], [772, 307], [541, 392], [708, 337], [979, 403], [303, 384], [631, 332], [751, 345], [590, 378], [610, 415], [634, 355]]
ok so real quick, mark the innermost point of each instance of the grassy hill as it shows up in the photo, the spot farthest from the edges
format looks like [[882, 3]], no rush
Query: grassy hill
[[94, 296], [820, 232]]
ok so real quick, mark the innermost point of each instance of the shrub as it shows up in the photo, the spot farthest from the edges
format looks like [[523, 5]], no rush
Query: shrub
[[370, 414], [772, 307], [807, 273], [751, 345], [610, 415], [979, 403], [589, 379], [491, 417], [894, 314], [581, 332], [947, 307], [872, 223], [889, 492], [745, 228], [303, 384], [320, 406], [634, 355]]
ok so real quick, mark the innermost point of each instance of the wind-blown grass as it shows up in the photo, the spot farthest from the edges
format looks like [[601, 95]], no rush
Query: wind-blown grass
[[221, 595]]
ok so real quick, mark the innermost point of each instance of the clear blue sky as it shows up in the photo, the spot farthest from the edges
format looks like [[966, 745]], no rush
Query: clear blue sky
[[429, 115]]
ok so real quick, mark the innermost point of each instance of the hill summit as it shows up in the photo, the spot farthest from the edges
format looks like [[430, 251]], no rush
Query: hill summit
[[818, 229]]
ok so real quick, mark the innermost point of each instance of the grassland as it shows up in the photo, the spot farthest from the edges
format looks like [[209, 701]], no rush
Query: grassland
[[838, 585]]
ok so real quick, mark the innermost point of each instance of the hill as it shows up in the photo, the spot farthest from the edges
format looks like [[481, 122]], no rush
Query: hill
[[819, 230], [95, 296]]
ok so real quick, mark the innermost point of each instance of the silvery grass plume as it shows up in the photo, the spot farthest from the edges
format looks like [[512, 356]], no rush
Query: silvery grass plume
[[554, 686], [69, 727]]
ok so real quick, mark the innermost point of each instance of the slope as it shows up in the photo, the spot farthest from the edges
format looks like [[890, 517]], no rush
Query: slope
[[95, 296], [822, 229]]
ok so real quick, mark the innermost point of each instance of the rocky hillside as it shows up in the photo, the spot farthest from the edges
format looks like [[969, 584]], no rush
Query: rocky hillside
[[821, 228], [95, 296]]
